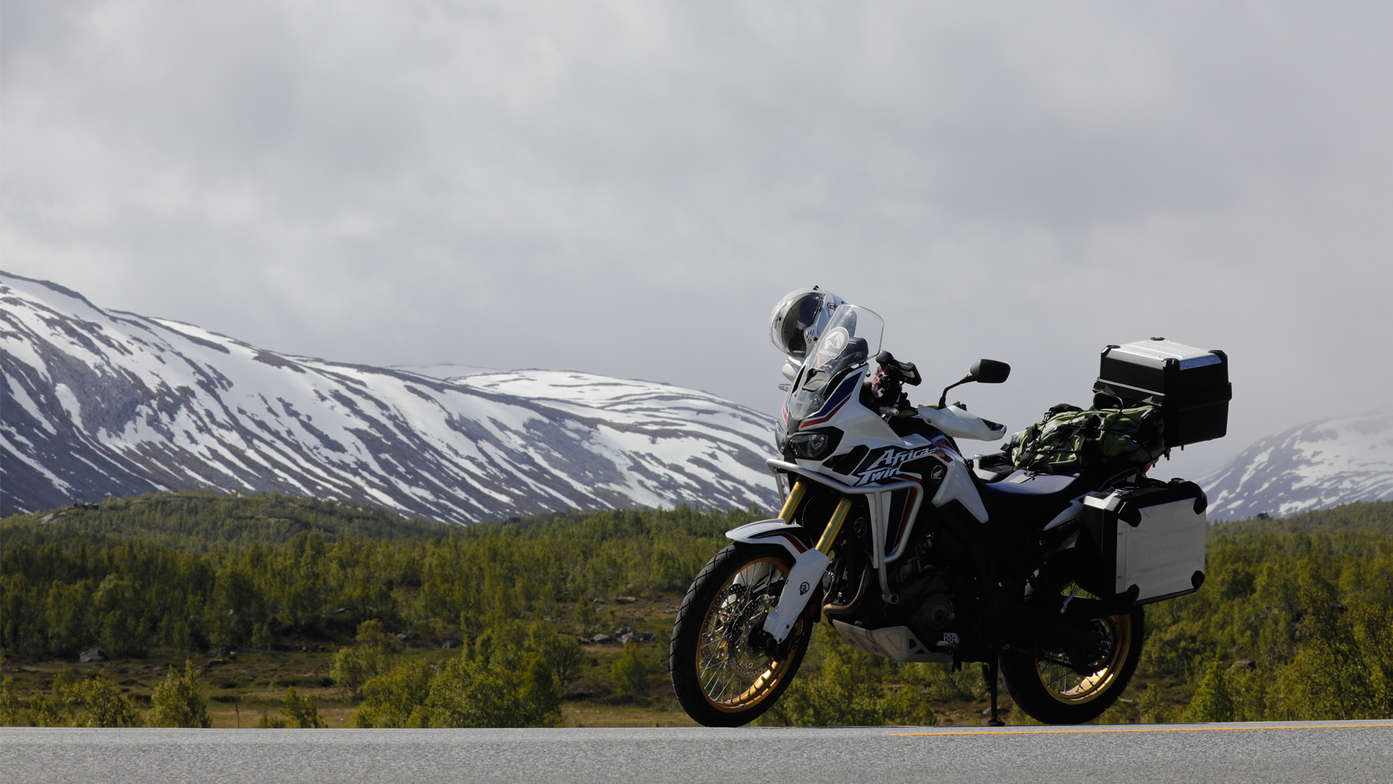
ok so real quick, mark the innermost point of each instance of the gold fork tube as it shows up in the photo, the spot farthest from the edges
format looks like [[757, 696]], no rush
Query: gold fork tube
[[795, 497], [834, 526]]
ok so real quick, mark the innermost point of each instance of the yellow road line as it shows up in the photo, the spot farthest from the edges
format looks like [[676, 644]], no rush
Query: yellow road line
[[1128, 730]]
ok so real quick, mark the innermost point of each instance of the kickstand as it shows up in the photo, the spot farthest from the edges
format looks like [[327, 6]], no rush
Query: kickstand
[[989, 673]]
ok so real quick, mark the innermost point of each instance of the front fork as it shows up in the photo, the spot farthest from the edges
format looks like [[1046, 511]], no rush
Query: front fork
[[808, 566]]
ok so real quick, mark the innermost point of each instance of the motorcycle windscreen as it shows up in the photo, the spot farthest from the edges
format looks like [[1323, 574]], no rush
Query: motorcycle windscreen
[[851, 337]]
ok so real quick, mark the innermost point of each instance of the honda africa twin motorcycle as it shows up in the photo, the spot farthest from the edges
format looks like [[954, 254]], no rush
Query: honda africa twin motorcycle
[[912, 552]]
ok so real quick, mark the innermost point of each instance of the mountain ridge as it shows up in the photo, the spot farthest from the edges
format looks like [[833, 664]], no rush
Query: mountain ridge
[[1323, 463], [111, 403]]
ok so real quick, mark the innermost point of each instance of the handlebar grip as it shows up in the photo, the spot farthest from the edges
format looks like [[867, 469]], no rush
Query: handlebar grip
[[906, 371]]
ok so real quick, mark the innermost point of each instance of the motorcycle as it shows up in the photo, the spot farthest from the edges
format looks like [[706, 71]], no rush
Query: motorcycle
[[915, 553]]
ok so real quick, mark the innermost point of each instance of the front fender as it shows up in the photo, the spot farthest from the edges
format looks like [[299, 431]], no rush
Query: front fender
[[793, 538], [808, 567]]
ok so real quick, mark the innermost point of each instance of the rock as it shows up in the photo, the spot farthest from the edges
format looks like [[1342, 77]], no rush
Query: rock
[[450, 644], [625, 599], [93, 654], [636, 637], [600, 639]]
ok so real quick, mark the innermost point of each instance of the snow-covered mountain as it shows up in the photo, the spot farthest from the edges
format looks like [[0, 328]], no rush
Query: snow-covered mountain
[[1323, 463], [99, 403]]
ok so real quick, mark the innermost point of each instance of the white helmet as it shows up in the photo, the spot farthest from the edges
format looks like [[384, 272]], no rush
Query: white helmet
[[798, 319]]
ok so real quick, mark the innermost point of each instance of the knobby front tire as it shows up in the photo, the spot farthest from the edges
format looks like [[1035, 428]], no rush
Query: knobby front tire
[[1043, 684], [721, 675]]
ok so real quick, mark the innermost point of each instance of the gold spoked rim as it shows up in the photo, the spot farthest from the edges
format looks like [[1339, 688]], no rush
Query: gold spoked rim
[[1067, 686], [732, 676]]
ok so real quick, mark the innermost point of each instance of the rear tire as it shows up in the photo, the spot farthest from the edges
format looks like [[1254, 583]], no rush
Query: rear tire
[[721, 675], [1044, 685]]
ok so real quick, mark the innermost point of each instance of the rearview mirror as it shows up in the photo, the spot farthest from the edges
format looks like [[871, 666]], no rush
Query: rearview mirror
[[989, 371], [985, 371]]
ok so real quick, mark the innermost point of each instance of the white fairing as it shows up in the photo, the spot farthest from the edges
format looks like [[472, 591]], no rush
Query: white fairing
[[957, 485], [957, 423]]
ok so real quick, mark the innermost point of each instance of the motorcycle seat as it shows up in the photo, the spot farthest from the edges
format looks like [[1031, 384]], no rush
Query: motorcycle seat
[[1029, 497], [992, 468]]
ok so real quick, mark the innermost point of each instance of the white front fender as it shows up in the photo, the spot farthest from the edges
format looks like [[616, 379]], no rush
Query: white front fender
[[803, 578], [775, 531], [808, 567]]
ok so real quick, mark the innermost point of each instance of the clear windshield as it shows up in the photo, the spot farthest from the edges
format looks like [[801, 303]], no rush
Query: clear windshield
[[850, 339]]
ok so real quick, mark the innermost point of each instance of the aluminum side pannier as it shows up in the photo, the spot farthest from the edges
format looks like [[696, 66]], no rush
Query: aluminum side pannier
[[1151, 539]]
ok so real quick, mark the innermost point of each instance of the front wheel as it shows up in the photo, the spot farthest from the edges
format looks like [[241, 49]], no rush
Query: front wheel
[[724, 669], [1055, 689]]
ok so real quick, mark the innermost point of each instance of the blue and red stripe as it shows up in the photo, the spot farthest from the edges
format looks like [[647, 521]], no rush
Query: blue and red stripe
[[834, 404]]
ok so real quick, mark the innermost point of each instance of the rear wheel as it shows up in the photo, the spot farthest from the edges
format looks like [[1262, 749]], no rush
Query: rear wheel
[[1071, 687], [724, 669]]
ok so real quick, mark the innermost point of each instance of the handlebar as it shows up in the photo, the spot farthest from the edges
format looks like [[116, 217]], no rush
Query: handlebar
[[906, 372]]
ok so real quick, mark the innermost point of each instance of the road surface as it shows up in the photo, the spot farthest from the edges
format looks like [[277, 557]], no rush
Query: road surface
[[1349, 752]]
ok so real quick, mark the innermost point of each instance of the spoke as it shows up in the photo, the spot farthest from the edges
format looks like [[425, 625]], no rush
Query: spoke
[[729, 673], [1058, 676]]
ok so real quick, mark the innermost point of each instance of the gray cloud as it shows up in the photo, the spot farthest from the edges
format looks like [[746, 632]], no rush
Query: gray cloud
[[626, 188]]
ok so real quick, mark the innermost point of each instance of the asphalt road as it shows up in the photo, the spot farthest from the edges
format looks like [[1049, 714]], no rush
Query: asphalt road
[[1347, 752]]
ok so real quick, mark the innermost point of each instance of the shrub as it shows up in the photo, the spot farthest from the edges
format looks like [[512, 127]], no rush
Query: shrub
[[178, 701], [301, 712], [629, 673]]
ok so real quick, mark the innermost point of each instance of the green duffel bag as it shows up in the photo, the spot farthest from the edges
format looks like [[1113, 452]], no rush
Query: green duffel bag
[[1069, 440]]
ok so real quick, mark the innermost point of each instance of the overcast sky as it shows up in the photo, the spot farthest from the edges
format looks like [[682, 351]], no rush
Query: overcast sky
[[626, 188]]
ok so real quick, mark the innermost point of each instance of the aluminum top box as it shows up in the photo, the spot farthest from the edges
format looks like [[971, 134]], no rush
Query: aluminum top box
[[1190, 385]]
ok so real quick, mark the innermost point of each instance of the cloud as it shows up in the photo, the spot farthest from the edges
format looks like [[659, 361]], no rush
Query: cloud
[[626, 188]]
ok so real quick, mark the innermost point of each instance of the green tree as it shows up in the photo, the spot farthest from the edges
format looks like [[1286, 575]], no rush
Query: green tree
[[1214, 698], [561, 652], [628, 674], [494, 693], [96, 702], [178, 701], [121, 629], [353, 667], [14, 711], [395, 698], [301, 712], [846, 692]]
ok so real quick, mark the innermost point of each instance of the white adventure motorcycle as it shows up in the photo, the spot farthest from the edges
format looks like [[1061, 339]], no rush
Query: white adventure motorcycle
[[913, 552]]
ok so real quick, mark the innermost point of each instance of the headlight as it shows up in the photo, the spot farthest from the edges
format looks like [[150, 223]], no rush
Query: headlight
[[815, 444]]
